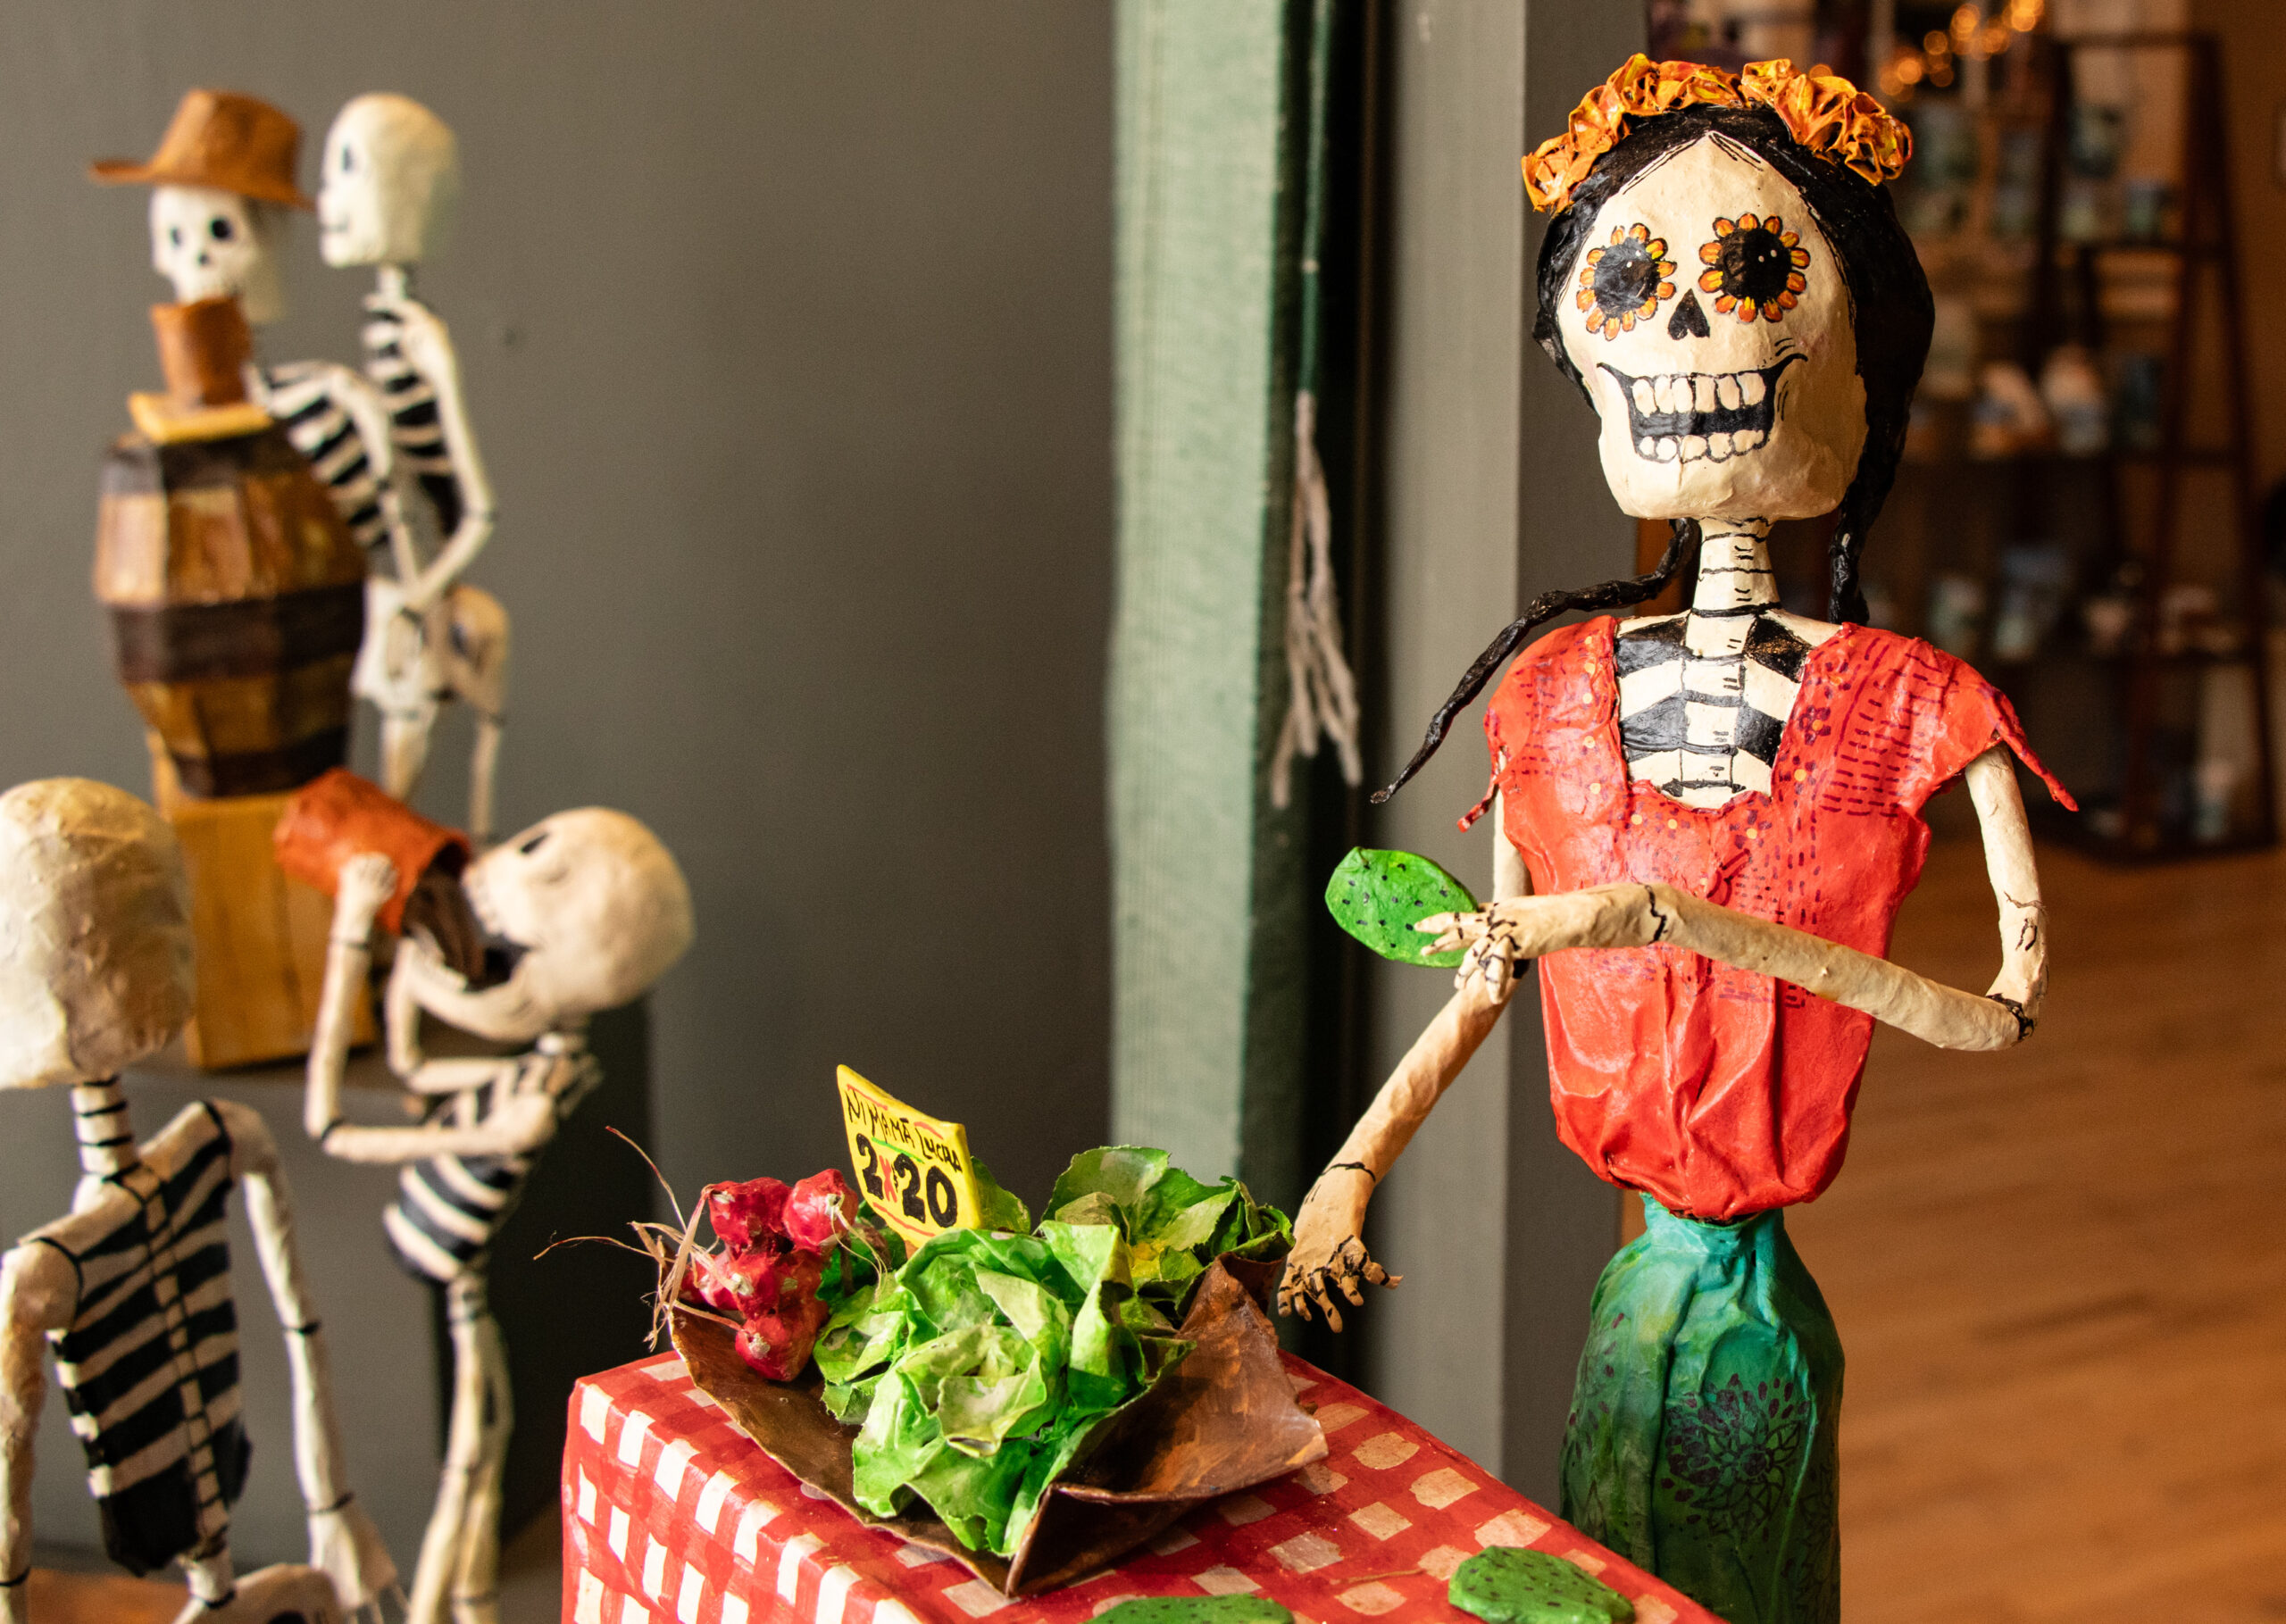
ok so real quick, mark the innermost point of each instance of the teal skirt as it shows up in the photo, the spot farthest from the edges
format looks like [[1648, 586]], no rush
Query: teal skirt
[[1702, 1440]]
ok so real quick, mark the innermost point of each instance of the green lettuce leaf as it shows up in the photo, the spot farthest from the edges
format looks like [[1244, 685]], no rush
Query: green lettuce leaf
[[980, 1367]]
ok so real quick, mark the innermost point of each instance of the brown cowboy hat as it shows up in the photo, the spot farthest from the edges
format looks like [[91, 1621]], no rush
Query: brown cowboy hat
[[221, 139]]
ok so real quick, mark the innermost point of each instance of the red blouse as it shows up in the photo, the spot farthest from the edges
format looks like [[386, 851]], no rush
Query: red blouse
[[1722, 1092]]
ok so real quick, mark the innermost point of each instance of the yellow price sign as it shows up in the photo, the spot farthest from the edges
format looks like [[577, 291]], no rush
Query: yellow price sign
[[914, 1170]]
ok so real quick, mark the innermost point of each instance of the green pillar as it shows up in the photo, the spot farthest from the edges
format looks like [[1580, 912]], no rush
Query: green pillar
[[1209, 893]]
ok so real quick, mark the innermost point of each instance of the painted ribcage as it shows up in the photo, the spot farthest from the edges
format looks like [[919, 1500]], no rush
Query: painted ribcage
[[1702, 700]]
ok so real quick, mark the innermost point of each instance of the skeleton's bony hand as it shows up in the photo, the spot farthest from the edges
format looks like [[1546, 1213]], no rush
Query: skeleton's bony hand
[[1491, 950], [401, 640], [361, 890], [526, 1120], [1328, 1257], [347, 1548]]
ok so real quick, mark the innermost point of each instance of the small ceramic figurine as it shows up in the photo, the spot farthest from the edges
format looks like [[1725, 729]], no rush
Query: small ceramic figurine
[[132, 1290], [1707, 819], [583, 912], [390, 176]]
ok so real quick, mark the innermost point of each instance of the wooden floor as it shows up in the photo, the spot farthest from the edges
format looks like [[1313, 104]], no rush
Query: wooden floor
[[2060, 1273]]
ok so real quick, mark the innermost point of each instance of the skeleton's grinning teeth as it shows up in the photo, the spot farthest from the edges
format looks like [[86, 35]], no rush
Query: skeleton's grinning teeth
[[1690, 416]]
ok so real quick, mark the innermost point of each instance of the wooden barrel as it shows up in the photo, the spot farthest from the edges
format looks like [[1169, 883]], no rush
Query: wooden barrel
[[237, 595]]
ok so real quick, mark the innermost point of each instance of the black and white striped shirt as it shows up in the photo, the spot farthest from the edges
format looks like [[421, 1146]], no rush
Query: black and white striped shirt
[[149, 1364], [448, 1209], [415, 426], [327, 435]]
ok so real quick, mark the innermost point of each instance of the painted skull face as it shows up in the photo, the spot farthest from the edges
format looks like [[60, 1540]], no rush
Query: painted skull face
[[213, 244], [582, 912], [390, 175], [1713, 327]]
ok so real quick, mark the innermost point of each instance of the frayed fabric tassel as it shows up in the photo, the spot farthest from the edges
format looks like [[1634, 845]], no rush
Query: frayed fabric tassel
[[1321, 692]]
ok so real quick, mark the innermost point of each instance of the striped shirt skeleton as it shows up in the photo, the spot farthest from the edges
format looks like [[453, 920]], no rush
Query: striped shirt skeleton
[[1704, 695], [149, 1364]]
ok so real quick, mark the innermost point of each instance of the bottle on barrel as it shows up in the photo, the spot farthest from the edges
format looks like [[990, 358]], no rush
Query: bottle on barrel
[[236, 595]]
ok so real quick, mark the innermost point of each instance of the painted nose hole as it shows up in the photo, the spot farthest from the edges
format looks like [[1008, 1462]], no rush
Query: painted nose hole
[[1687, 317]]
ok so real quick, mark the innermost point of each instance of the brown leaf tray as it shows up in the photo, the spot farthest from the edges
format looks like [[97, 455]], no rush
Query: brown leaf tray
[[1223, 1419]]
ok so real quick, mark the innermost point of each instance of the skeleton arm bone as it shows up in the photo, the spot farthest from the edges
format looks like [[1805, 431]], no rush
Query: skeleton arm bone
[[38, 1291], [2016, 882], [428, 348], [1631, 915], [344, 1542], [1328, 1252], [459, 1076], [518, 1123]]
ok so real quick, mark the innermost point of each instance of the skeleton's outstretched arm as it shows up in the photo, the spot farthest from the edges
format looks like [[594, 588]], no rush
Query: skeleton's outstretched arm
[[517, 1122], [38, 1295], [1329, 1256], [1629, 915], [344, 1542], [428, 348]]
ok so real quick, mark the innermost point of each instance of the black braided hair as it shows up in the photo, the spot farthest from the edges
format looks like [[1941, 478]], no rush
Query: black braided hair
[[1890, 315]]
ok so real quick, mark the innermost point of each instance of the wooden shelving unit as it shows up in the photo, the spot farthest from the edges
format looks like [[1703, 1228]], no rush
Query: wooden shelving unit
[[2203, 249], [2129, 725]]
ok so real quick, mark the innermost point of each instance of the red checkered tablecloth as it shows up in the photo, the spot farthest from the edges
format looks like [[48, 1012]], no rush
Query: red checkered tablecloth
[[671, 1513]]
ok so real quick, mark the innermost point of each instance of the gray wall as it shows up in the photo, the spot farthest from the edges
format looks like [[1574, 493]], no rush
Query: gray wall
[[786, 329], [1492, 495]]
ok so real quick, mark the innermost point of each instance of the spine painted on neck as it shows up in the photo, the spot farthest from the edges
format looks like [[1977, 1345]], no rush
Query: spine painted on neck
[[1734, 572], [105, 1135]]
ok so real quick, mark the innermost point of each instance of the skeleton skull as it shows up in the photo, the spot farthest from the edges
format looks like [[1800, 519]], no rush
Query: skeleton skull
[[391, 174], [94, 933], [1709, 318], [210, 243], [584, 911]]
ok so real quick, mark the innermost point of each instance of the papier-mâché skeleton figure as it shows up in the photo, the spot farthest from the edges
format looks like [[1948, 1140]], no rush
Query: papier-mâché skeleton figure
[[391, 174], [132, 1291], [222, 181], [583, 912], [1706, 820]]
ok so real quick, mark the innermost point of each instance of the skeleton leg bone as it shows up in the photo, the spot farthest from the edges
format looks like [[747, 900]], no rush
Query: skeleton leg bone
[[476, 1580], [473, 1451]]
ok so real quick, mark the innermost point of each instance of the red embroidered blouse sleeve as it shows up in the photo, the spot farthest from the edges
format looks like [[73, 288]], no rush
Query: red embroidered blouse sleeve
[[1973, 716]]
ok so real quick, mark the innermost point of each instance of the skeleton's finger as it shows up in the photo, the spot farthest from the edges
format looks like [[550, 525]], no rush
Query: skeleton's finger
[[1347, 1281], [1326, 1301], [1375, 1275]]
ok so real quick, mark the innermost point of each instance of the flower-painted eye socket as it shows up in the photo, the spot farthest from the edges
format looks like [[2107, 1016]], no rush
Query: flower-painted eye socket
[[1623, 281], [1754, 268]]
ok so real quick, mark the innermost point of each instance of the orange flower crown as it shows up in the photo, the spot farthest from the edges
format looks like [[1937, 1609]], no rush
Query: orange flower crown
[[1823, 112]]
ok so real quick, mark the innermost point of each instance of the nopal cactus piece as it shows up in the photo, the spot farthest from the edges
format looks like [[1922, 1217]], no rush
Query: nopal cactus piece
[[1505, 1586], [1378, 897]]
